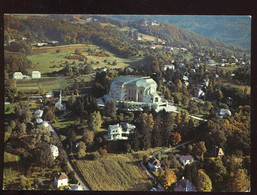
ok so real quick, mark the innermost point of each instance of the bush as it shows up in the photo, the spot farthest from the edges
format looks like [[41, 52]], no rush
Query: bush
[[95, 155], [58, 51], [102, 151]]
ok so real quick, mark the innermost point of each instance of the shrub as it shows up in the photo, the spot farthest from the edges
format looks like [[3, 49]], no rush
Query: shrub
[[102, 151], [95, 155]]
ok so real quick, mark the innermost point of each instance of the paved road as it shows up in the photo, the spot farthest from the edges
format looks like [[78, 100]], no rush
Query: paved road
[[150, 174], [68, 162]]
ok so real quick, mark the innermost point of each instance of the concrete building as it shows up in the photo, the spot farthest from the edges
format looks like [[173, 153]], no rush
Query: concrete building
[[35, 75], [137, 89], [17, 75]]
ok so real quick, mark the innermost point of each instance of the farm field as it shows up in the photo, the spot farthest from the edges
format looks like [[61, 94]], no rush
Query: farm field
[[115, 173], [49, 84]]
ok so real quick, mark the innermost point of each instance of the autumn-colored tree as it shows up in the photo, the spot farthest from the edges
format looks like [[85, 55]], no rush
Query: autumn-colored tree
[[43, 91], [88, 137], [179, 84], [203, 182], [168, 178], [175, 138], [239, 181]]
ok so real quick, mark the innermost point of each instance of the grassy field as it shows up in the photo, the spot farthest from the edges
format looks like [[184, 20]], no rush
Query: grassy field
[[8, 108], [115, 173], [10, 157], [47, 57]]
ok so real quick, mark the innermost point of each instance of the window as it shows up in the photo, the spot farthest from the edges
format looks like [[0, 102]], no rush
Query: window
[[156, 99]]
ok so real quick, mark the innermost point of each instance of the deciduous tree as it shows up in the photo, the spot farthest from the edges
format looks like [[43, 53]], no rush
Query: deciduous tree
[[203, 182]]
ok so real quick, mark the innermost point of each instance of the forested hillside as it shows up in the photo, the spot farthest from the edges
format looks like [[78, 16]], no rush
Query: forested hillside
[[235, 30]]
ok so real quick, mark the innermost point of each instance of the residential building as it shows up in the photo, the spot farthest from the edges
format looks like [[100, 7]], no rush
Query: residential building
[[55, 151], [45, 124], [48, 95], [154, 164], [217, 152], [61, 179], [120, 131], [17, 75], [39, 113], [39, 121], [223, 112], [199, 93], [186, 159], [184, 185], [229, 101], [103, 69], [35, 75], [171, 67]]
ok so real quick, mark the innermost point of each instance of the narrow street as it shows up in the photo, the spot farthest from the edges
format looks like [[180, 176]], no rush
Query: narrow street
[[68, 162]]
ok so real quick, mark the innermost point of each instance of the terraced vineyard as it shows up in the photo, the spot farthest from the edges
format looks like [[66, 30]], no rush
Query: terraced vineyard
[[115, 172]]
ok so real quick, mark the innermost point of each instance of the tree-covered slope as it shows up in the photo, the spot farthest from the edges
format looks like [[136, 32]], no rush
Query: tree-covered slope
[[229, 29]]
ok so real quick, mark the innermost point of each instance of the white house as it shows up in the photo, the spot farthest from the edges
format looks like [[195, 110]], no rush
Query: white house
[[61, 179], [54, 150], [39, 121], [39, 113], [17, 75], [187, 159], [35, 75], [45, 124], [199, 93], [154, 164], [223, 112], [184, 78], [120, 131], [48, 95], [41, 44], [171, 67], [103, 69]]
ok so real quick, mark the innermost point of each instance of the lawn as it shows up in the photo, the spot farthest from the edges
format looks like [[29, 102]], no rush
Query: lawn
[[9, 109], [44, 62], [115, 173]]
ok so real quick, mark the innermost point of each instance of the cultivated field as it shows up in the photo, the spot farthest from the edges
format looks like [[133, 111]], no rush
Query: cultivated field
[[115, 173], [49, 84]]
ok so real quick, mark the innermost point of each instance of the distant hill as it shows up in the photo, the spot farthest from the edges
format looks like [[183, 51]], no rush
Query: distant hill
[[234, 30]]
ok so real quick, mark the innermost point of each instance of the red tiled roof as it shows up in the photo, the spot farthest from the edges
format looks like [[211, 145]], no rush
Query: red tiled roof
[[61, 175]]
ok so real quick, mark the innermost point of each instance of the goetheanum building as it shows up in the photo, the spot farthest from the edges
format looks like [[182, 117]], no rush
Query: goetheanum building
[[139, 91]]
